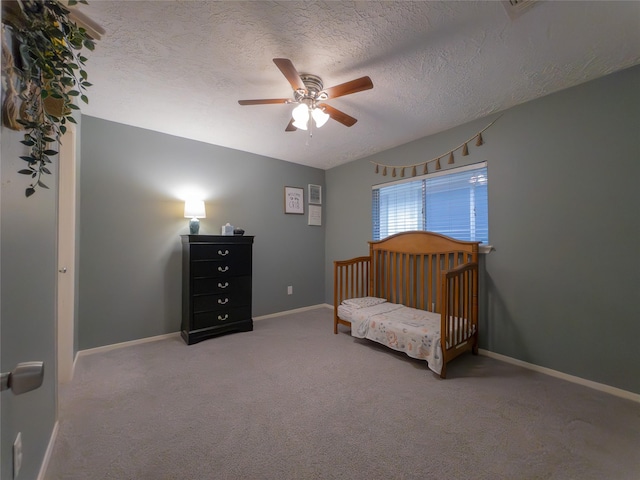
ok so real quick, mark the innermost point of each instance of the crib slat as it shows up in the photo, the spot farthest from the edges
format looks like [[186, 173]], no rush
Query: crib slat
[[466, 310], [429, 282], [418, 287], [421, 279], [394, 276], [402, 284], [440, 266], [397, 280], [405, 297], [387, 276]]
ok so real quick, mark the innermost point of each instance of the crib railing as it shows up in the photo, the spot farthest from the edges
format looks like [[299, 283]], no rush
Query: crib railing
[[350, 280], [459, 315], [422, 270]]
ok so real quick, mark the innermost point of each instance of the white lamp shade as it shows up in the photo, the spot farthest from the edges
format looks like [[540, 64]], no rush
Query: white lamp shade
[[194, 209], [301, 116], [301, 126], [319, 116]]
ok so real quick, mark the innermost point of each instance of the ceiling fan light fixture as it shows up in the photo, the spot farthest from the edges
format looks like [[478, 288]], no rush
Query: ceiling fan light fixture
[[309, 92], [300, 125], [319, 116], [300, 116]]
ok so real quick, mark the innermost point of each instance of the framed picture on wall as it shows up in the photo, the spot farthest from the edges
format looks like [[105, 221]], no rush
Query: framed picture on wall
[[315, 215], [294, 200], [315, 194]]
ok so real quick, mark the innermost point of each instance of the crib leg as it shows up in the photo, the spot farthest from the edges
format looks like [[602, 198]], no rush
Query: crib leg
[[335, 325], [443, 372]]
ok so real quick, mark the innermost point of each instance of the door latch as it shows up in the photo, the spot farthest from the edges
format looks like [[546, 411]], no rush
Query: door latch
[[25, 377]]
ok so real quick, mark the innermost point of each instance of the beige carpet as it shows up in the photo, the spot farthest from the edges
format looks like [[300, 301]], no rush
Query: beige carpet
[[290, 400]]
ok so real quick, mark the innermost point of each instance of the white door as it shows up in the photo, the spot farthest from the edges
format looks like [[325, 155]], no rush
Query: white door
[[66, 255]]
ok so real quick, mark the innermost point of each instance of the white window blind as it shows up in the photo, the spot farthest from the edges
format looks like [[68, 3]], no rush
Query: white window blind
[[453, 203]]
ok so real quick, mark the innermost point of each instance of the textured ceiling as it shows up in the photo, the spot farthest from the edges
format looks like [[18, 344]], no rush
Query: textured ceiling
[[180, 67]]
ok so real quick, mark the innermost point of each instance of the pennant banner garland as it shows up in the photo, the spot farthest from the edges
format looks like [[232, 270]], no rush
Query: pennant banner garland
[[381, 168]]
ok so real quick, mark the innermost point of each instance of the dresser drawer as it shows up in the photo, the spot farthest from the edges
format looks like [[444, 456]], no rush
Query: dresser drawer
[[220, 301], [219, 252], [226, 267], [202, 286], [220, 317]]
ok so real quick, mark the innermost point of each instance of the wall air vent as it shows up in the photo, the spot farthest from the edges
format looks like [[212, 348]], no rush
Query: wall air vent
[[515, 8]]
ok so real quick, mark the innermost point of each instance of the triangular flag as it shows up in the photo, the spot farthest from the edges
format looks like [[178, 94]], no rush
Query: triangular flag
[[438, 164], [402, 172], [479, 141], [393, 172], [376, 168], [413, 171], [426, 168], [384, 171], [465, 150], [450, 158]]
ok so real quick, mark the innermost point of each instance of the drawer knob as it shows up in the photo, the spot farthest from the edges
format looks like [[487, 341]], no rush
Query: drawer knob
[[223, 285], [223, 254], [226, 316], [222, 302], [223, 269]]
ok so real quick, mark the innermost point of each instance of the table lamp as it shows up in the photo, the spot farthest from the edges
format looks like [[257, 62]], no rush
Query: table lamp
[[194, 209]]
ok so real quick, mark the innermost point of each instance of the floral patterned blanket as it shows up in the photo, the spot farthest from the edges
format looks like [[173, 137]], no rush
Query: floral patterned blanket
[[409, 330]]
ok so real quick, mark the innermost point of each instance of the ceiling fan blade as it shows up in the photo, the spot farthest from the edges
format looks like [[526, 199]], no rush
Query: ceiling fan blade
[[354, 86], [290, 73], [290, 127], [266, 101], [337, 115]]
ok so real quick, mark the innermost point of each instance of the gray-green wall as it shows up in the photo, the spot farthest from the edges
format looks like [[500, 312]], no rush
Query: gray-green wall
[[28, 255], [564, 217], [133, 184]]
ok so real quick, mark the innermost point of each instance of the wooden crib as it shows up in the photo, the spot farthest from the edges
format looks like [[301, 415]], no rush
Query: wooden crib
[[422, 270]]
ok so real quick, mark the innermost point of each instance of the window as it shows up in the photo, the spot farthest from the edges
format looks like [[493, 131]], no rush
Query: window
[[453, 203]]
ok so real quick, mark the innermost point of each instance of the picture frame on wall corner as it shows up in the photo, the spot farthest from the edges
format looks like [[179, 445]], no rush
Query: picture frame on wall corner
[[315, 194], [294, 200], [315, 215]]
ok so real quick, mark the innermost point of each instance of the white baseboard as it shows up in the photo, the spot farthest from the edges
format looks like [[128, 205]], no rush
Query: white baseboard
[[618, 392], [287, 312], [47, 454], [73, 367], [114, 346]]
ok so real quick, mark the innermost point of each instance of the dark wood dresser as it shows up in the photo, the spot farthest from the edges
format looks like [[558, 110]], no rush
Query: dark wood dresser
[[216, 285]]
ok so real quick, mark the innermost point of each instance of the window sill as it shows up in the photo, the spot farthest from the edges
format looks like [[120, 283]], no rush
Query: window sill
[[485, 249]]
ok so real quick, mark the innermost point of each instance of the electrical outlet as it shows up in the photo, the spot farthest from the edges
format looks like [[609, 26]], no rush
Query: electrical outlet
[[290, 290], [17, 455]]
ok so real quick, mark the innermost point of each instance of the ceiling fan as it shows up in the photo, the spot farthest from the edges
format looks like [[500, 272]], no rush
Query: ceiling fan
[[309, 93]]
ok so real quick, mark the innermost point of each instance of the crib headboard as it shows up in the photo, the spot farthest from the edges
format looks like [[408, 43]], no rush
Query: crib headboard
[[406, 268]]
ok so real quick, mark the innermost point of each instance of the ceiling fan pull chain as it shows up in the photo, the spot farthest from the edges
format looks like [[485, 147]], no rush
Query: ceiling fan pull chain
[[310, 136]]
